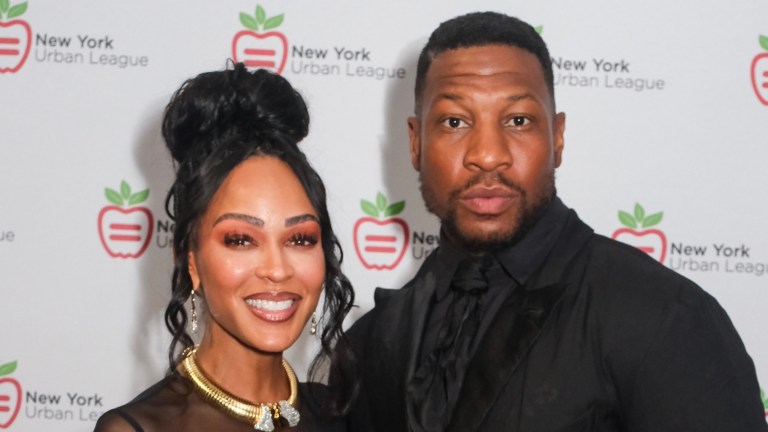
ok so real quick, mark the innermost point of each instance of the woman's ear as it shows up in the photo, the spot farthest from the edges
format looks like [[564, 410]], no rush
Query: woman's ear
[[192, 268]]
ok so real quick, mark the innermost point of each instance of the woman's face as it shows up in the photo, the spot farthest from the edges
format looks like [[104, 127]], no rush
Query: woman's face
[[259, 257]]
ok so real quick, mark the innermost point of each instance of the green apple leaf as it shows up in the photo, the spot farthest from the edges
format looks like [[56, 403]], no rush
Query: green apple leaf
[[627, 219], [248, 21], [125, 190], [261, 14], [763, 39], [394, 209], [381, 202], [539, 29], [138, 197], [274, 22], [8, 368], [17, 10], [113, 196], [652, 220], [369, 208], [639, 213], [4, 7]]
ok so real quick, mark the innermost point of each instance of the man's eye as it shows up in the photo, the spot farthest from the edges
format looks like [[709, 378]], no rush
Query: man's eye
[[454, 122], [518, 121]]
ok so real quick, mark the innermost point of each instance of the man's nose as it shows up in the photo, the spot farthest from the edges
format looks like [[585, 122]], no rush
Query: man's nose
[[488, 148]]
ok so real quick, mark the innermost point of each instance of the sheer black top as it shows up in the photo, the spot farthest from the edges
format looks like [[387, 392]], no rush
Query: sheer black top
[[173, 405]]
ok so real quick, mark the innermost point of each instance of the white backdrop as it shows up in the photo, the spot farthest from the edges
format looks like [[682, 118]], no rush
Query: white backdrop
[[666, 102]]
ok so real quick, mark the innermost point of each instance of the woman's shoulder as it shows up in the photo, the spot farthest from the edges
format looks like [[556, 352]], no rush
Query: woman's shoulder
[[116, 420], [167, 396]]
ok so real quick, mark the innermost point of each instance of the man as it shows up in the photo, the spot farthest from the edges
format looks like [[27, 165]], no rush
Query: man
[[524, 319]]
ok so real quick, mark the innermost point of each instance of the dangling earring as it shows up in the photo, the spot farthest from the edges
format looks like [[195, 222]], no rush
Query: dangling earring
[[194, 311], [313, 325]]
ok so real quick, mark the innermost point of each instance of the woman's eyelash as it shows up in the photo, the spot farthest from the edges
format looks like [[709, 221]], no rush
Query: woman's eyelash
[[303, 239], [237, 240]]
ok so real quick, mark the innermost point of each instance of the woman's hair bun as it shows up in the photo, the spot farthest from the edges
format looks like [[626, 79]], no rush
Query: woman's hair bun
[[233, 107]]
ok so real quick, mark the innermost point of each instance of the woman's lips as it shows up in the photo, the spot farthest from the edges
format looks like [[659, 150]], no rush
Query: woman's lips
[[488, 201], [273, 307]]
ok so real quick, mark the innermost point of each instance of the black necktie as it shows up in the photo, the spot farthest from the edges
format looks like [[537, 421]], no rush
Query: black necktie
[[436, 383]]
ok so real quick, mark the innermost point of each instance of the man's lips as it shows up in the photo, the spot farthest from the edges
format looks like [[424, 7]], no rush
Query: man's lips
[[488, 201], [273, 307]]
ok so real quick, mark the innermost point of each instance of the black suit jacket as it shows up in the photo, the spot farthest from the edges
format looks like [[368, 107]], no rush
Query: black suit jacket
[[602, 338]]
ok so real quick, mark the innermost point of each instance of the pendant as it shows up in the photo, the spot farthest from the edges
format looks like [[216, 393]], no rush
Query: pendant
[[265, 420], [289, 413]]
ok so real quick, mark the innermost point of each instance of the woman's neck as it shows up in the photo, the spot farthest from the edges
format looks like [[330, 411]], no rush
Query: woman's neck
[[242, 371]]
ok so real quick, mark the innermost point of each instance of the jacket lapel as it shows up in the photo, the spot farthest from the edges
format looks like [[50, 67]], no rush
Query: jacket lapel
[[395, 345], [514, 330]]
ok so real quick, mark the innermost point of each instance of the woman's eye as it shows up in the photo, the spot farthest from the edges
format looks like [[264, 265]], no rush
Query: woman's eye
[[303, 240], [237, 240], [518, 121], [454, 122]]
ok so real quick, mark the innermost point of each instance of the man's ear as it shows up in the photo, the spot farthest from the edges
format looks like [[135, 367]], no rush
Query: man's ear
[[558, 137], [192, 268], [414, 135]]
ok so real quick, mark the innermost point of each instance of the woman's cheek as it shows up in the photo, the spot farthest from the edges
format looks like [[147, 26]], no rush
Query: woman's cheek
[[311, 267], [233, 269]]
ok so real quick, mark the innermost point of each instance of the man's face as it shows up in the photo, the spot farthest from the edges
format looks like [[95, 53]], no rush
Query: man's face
[[486, 143]]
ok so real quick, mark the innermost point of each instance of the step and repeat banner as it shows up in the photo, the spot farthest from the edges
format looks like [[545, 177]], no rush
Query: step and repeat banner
[[667, 121]]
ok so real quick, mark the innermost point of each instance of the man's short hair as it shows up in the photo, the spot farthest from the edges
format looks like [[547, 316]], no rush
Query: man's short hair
[[480, 29]]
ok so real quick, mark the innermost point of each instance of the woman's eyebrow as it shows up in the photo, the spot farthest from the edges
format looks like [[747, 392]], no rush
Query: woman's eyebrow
[[253, 220], [295, 220]]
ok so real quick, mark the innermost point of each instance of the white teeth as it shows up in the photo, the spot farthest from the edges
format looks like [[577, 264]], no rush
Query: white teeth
[[269, 305]]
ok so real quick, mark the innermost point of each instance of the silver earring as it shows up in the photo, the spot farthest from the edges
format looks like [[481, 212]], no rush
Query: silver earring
[[194, 312], [313, 325]]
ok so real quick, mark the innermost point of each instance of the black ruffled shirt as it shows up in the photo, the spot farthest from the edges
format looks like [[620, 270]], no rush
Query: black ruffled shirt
[[518, 262]]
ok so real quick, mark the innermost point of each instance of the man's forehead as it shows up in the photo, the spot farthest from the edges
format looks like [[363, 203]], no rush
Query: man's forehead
[[507, 61]]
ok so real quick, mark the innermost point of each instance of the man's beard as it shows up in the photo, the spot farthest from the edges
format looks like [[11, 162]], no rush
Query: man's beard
[[531, 210]]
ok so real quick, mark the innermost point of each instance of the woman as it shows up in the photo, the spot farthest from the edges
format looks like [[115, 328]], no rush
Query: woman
[[253, 243]]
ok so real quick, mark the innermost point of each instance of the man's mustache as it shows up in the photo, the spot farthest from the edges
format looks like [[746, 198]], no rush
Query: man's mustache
[[489, 179]]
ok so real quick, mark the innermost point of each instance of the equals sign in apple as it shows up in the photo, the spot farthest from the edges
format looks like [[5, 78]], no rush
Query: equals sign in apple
[[123, 232], [379, 244], [765, 79], [9, 46], [4, 400], [259, 58]]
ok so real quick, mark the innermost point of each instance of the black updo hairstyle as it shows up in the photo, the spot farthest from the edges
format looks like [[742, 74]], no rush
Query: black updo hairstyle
[[214, 122]]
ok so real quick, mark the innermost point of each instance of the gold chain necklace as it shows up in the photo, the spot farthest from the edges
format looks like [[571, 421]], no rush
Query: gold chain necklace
[[260, 415]]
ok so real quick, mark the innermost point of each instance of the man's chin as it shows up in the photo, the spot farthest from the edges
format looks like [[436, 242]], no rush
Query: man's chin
[[482, 237]]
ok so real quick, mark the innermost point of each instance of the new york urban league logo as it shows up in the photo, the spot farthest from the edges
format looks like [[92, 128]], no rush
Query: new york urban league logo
[[124, 228], [651, 241], [10, 395], [760, 72], [257, 49], [380, 239], [15, 37]]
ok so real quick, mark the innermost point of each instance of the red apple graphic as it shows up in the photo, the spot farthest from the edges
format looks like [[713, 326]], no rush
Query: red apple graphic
[[381, 243], [260, 50], [125, 232], [15, 37], [760, 72], [651, 241], [10, 395]]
